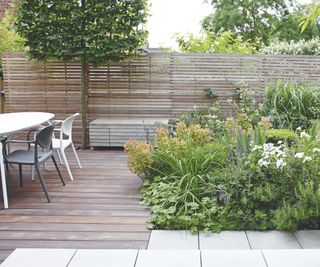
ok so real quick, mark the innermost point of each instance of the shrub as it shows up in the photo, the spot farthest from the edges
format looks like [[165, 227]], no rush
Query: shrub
[[222, 43], [181, 193], [139, 157], [276, 135], [302, 47], [292, 105], [209, 118]]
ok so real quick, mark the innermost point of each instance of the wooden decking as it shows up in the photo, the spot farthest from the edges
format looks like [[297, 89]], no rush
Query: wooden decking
[[99, 209]]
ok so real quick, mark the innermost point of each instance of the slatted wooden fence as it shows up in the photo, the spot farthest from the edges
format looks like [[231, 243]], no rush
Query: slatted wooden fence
[[153, 86]]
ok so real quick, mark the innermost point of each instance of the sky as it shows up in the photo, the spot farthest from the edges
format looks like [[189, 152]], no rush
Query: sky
[[169, 17]]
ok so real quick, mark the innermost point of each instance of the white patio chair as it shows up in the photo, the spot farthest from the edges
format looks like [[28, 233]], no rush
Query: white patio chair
[[60, 144]]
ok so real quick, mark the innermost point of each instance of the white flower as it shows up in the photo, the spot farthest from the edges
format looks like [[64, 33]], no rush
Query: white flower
[[316, 150], [256, 148], [280, 163], [263, 162], [279, 142], [299, 129], [307, 159], [305, 135], [299, 155], [229, 100]]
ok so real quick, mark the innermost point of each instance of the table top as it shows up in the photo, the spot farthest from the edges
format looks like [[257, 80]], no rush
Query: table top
[[17, 121]]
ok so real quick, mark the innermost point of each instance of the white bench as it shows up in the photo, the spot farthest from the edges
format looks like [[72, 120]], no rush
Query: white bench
[[116, 132]]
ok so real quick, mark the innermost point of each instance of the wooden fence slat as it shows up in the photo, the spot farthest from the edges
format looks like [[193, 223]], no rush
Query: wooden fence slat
[[153, 86]]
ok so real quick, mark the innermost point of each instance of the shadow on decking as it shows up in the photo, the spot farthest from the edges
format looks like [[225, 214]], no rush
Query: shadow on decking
[[99, 209]]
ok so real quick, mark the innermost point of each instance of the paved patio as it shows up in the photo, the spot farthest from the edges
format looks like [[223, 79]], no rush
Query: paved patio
[[98, 220], [162, 258], [181, 248]]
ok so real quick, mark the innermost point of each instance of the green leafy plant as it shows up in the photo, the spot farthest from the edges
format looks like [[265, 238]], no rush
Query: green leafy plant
[[220, 43], [300, 47], [10, 40], [210, 118], [139, 157], [285, 135], [292, 105]]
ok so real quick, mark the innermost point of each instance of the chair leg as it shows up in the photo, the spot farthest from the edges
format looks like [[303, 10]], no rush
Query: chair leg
[[56, 165], [59, 156], [76, 155], [66, 163], [32, 173], [43, 184], [20, 175]]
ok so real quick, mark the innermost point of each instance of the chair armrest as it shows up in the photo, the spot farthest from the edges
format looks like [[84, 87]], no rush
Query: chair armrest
[[56, 121], [28, 136], [19, 141], [6, 143]]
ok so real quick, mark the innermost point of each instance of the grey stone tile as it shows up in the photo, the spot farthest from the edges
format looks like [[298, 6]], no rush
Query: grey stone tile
[[39, 258], [162, 239], [224, 240], [168, 258], [104, 258], [272, 240], [292, 258], [234, 258], [308, 238]]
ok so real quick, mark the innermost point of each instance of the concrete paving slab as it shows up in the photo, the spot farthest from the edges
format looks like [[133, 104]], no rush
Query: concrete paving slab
[[272, 240], [308, 238], [234, 258], [104, 258], [168, 258], [39, 258], [161, 239], [224, 240], [292, 258]]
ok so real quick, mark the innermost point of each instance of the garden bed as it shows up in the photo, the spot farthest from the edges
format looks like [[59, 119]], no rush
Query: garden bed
[[255, 170]]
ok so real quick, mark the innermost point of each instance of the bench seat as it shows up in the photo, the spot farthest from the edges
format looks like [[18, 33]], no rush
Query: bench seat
[[116, 132]]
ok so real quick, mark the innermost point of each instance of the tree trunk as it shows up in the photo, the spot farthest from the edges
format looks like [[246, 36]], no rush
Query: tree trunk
[[84, 103], [1, 95]]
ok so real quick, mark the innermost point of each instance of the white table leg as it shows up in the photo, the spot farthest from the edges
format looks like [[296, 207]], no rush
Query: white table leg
[[3, 180]]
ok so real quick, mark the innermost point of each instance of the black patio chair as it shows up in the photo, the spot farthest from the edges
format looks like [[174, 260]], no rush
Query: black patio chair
[[32, 156]]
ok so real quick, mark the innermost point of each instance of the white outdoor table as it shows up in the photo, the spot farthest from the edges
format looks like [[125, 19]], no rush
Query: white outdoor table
[[11, 123]]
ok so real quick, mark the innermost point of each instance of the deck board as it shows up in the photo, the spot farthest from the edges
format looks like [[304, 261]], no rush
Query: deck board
[[100, 209]]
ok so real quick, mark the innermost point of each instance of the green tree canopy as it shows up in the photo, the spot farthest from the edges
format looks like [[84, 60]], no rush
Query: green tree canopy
[[10, 41], [221, 43], [288, 27], [95, 30], [92, 31], [312, 17], [249, 18]]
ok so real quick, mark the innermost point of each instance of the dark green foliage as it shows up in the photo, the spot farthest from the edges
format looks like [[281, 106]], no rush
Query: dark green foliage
[[250, 19], [292, 105], [286, 135], [288, 27], [95, 30]]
